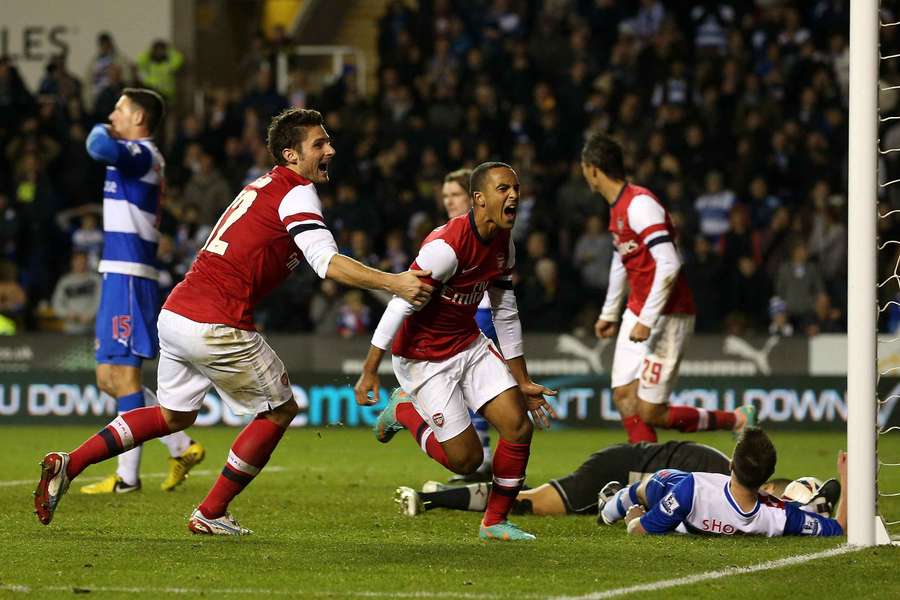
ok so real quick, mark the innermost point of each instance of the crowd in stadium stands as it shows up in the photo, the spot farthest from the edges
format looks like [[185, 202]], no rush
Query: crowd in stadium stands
[[733, 113]]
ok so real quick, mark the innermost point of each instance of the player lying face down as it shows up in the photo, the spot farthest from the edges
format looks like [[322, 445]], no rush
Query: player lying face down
[[575, 493], [714, 504]]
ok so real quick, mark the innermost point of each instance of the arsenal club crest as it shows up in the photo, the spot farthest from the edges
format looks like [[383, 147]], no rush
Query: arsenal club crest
[[438, 419], [620, 223]]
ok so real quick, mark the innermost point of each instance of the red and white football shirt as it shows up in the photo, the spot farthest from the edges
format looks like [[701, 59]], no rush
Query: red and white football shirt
[[258, 241], [463, 265], [633, 242]]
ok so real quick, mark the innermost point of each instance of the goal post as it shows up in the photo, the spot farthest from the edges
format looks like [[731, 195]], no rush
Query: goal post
[[862, 274]]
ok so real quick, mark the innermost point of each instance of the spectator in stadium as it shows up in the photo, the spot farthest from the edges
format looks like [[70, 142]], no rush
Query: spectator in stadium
[[714, 207], [77, 296], [9, 229], [207, 189], [158, 66], [825, 318], [13, 300], [749, 291], [325, 306], [354, 317], [593, 255], [108, 69], [703, 270], [781, 324], [799, 283]]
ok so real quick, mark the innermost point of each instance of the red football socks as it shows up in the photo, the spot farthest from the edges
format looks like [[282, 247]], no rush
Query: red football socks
[[249, 454], [510, 460], [422, 433], [126, 431], [689, 419], [637, 430]]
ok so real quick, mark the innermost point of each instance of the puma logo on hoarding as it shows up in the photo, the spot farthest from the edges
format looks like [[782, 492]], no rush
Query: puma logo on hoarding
[[569, 344], [736, 346]]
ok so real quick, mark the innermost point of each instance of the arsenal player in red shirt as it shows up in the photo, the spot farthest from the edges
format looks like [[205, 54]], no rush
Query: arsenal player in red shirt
[[659, 317], [206, 330], [446, 365]]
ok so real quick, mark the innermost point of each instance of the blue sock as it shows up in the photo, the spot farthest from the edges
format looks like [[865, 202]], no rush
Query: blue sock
[[130, 402]]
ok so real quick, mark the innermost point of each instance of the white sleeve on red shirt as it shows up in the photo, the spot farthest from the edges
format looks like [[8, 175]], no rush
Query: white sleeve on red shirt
[[615, 293], [647, 218], [436, 256], [505, 311], [301, 213]]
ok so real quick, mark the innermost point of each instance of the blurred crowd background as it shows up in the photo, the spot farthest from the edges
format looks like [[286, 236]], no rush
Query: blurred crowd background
[[733, 113]]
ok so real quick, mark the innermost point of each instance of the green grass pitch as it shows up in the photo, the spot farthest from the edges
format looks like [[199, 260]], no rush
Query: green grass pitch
[[326, 526]]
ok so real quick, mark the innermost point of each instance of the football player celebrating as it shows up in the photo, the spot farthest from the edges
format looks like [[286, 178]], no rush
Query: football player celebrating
[[660, 313], [444, 363], [711, 503], [206, 329]]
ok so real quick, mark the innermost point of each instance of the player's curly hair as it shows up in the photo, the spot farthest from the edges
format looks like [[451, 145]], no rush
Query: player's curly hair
[[605, 153], [288, 130], [753, 461]]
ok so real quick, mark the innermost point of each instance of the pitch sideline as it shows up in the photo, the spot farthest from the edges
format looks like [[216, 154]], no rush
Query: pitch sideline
[[710, 575]]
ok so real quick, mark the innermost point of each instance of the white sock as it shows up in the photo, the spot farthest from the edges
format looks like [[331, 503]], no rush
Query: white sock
[[478, 495], [130, 465], [176, 442], [612, 511]]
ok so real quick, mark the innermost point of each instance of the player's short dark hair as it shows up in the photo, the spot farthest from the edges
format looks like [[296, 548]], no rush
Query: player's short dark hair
[[288, 130], [460, 176], [479, 175], [151, 103], [605, 153], [753, 461]]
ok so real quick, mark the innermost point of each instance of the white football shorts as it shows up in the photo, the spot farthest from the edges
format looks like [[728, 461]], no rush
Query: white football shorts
[[654, 362], [444, 391], [240, 364]]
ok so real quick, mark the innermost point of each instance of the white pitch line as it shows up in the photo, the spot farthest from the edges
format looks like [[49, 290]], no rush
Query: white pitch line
[[27, 589], [202, 472], [721, 573]]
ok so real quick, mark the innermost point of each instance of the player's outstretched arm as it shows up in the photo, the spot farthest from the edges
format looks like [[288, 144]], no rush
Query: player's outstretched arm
[[407, 285]]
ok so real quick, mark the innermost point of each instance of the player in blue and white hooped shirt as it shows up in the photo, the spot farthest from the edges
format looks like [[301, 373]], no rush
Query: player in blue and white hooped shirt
[[714, 504], [126, 321]]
